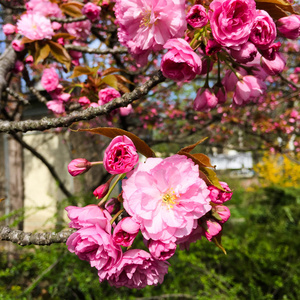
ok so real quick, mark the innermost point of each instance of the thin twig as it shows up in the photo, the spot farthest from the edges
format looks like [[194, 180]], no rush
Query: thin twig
[[83, 49]]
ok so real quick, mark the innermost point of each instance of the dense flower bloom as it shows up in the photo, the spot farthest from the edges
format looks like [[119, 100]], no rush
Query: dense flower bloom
[[50, 79], [249, 89], [44, 7], [230, 79], [205, 100], [193, 237], [218, 196], [108, 94], [263, 32], [197, 16], [9, 29], [146, 25], [88, 216], [180, 63], [120, 156], [137, 269], [92, 11], [78, 166], [166, 196], [96, 246], [35, 27], [245, 54], [270, 52], [126, 231], [160, 250], [289, 26], [231, 21]]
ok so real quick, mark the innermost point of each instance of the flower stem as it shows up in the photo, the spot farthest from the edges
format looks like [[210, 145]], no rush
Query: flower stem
[[121, 176], [93, 163], [116, 215]]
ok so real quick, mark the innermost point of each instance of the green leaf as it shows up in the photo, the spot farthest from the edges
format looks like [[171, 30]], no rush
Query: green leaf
[[110, 80], [60, 54], [210, 177], [112, 132]]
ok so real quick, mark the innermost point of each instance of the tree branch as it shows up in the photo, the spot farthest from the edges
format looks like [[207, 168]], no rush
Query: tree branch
[[87, 114], [68, 20], [28, 238], [120, 50]]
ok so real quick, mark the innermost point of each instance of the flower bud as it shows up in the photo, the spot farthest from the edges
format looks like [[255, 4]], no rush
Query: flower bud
[[218, 196], [101, 190], [17, 45], [274, 67], [79, 166], [113, 206], [245, 54], [205, 100], [221, 213], [289, 26], [197, 16], [212, 228]]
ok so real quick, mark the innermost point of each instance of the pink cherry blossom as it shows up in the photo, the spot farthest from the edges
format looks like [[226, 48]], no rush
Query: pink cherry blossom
[[96, 246], [125, 111], [87, 216], [289, 26], [205, 100], [137, 269], [263, 32], [101, 190], [81, 30], [212, 228], [197, 16], [9, 29], [146, 25], [92, 11], [35, 26], [274, 67], [166, 196], [79, 166], [126, 231], [160, 250], [44, 7], [120, 156], [218, 196], [108, 94], [56, 106], [180, 63], [50, 79], [249, 89], [193, 237], [245, 54], [84, 100], [231, 21], [17, 45]]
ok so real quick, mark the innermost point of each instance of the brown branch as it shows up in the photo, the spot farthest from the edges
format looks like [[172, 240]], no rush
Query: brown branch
[[83, 49], [88, 114], [68, 20], [17, 96], [7, 63], [8, 5], [28, 238]]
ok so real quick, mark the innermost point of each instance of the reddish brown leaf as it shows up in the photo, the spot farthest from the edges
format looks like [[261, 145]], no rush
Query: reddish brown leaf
[[26, 40], [276, 8], [191, 147], [60, 54], [41, 53], [72, 9], [79, 70], [203, 159], [111, 70], [63, 35], [140, 145], [210, 177]]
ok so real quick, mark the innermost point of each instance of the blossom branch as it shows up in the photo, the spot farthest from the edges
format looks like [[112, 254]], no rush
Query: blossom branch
[[17, 96], [28, 238], [88, 114], [120, 50]]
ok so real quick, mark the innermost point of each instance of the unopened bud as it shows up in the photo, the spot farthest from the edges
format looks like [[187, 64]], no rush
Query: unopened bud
[[101, 190], [113, 206], [79, 166], [221, 213]]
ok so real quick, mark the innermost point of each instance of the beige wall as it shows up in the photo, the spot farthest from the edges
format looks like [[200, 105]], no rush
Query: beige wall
[[41, 190]]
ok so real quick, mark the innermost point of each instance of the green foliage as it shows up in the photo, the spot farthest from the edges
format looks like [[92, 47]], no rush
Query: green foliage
[[261, 240]]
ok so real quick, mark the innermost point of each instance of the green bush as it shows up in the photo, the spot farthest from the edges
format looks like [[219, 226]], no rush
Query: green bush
[[261, 239]]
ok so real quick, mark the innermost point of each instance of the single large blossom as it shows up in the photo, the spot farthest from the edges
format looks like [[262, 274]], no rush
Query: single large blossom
[[35, 27], [166, 196], [137, 269], [231, 21], [146, 25]]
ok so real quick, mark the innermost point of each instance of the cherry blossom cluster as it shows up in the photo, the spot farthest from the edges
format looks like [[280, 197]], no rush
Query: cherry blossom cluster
[[163, 200], [229, 32]]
